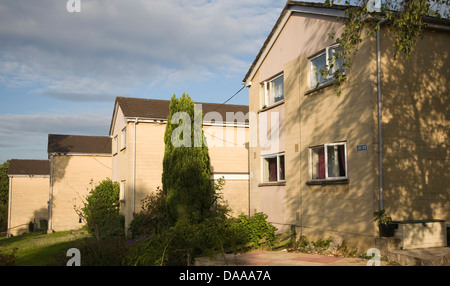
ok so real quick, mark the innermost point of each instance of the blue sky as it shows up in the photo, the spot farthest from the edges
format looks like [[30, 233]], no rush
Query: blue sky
[[60, 72]]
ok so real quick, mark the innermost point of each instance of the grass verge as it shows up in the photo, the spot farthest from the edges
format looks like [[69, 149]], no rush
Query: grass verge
[[40, 249]]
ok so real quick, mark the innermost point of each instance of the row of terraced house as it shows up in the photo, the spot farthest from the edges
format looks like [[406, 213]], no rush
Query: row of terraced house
[[312, 161]]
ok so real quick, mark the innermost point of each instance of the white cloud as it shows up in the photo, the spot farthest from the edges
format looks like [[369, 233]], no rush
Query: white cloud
[[114, 46]]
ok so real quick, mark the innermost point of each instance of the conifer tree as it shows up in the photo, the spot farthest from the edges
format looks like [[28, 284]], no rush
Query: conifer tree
[[186, 165]]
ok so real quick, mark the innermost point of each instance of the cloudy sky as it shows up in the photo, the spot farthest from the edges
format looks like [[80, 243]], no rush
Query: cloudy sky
[[60, 72]]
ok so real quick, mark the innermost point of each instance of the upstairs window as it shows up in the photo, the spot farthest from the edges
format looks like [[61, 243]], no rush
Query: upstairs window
[[124, 139], [273, 90], [324, 65], [122, 191], [273, 168], [329, 161], [116, 145]]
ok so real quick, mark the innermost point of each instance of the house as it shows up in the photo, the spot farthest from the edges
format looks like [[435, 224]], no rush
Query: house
[[29, 182], [137, 132], [330, 163], [77, 164]]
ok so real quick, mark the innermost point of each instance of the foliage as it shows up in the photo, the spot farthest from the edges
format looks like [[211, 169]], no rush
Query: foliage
[[105, 252], [405, 20], [381, 217], [4, 192], [101, 210], [8, 259], [152, 215], [186, 167], [322, 246], [256, 228], [216, 235]]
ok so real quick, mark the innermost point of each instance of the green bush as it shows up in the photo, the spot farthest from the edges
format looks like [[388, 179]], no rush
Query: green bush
[[256, 229], [8, 259], [101, 211], [152, 215], [105, 252], [217, 235]]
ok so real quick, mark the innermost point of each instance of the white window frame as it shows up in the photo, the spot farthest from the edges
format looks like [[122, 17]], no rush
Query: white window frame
[[325, 146], [277, 155], [266, 92], [123, 140], [329, 76], [116, 144], [122, 190]]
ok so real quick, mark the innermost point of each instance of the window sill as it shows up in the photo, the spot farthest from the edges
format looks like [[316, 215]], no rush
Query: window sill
[[268, 184], [329, 182], [265, 108], [322, 86]]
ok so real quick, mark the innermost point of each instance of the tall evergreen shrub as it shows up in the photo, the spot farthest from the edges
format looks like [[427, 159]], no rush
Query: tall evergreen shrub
[[186, 165]]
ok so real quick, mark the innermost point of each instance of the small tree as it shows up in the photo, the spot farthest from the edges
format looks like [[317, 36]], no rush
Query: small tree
[[101, 210], [186, 174], [4, 191]]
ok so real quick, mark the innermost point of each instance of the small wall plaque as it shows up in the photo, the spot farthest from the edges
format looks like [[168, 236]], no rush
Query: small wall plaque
[[362, 147]]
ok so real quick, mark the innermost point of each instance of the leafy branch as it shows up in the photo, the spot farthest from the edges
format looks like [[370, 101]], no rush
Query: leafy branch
[[406, 20]]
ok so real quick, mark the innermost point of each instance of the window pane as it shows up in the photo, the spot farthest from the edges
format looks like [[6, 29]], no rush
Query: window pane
[[275, 90], [318, 65], [318, 163], [270, 169], [335, 58], [278, 89], [281, 168], [336, 161]]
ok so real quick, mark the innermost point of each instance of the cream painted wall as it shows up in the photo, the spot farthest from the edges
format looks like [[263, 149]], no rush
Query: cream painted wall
[[312, 119], [28, 201], [73, 177]]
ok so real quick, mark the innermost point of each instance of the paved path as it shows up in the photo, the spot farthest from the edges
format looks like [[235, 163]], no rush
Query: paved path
[[280, 258]]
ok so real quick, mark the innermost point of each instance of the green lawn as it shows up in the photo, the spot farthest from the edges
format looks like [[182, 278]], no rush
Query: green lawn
[[41, 249]]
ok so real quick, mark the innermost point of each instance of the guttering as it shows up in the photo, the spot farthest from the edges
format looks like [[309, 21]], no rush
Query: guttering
[[380, 122], [134, 165], [50, 200]]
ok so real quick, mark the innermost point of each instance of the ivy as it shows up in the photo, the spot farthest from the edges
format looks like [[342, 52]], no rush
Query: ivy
[[405, 20]]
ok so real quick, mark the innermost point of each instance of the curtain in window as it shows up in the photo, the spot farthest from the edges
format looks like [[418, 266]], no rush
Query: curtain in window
[[321, 165], [341, 152], [272, 169]]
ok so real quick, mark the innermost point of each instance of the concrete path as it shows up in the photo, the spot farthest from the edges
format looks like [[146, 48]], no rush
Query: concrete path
[[280, 258]]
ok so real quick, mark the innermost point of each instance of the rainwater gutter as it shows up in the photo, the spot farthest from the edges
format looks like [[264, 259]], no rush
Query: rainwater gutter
[[380, 122], [134, 165], [50, 200]]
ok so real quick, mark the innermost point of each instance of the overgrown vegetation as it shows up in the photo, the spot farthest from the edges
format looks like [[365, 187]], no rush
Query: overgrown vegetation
[[405, 20], [101, 211], [4, 191]]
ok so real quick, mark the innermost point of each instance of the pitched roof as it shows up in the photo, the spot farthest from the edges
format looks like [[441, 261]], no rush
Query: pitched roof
[[79, 144], [29, 167], [159, 109]]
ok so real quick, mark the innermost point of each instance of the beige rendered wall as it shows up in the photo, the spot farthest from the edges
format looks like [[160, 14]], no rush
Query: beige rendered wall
[[228, 150], [416, 129], [28, 201], [73, 177], [310, 119]]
